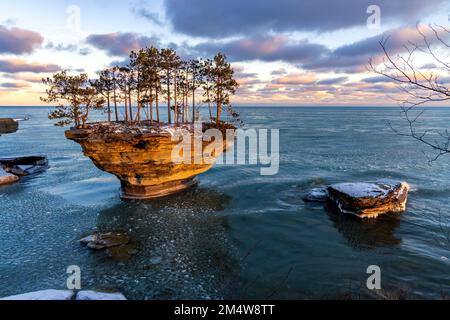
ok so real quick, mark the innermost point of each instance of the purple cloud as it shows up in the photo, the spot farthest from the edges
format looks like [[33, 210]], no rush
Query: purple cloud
[[236, 17], [16, 65], [119, 43], [14, 85], [19, 41], [265, 49]]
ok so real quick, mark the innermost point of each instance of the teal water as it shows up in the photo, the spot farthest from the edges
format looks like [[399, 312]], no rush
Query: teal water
[[239, 234]]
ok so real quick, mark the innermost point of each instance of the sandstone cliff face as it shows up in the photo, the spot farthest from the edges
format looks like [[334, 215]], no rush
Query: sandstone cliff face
[[142, 161]]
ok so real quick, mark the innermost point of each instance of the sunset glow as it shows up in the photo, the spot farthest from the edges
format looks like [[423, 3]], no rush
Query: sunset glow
[[297, 55]]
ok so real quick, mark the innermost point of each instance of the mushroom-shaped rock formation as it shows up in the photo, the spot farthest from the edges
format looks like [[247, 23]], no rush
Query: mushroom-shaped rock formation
[[144, 159]]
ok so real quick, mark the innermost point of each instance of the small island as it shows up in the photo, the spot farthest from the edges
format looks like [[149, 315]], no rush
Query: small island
[[135, 143]]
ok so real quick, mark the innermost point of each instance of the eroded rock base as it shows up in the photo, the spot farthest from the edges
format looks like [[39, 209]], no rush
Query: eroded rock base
[[139, 192]]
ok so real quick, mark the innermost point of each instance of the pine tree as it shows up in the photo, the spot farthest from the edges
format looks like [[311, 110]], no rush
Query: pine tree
[[75, 98], [224, 84]]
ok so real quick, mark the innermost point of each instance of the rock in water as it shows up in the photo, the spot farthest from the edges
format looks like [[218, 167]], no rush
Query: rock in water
[[8, 125], [316, 195], [94, 295], [103, 241], [368, 200], [7, 178], [48, 295]]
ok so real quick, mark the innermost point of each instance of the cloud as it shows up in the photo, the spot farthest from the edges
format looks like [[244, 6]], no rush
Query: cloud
[[377, 79], [350, 58], [354, 57], [332, 81], [274, 48], [143, 12], [121, 43], [296, 79], [278, 72], [19, 41], [32, 78], [14, 85], [17, 65], [236, 17], [61, 47]]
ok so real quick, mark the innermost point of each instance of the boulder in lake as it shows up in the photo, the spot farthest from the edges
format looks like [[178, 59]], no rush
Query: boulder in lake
[[95, 295], [8, 125], [7, 178], [369, 200], [101, 241], [48, 295]]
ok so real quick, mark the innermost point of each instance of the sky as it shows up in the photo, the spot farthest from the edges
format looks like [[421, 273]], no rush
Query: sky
[[284, 52]]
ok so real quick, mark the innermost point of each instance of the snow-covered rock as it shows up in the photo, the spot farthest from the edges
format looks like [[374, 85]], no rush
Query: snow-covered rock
[[95, 295], [48, 295], [368, 200]]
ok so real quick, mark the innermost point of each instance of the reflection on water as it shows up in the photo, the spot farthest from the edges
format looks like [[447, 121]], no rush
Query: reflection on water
[[366, 234], [182, 248]]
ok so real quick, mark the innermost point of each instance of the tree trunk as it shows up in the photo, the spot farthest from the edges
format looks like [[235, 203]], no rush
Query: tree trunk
[[193, 97], [109, 107], [115, 103], [169, 116], [175, 98], [157, 106], [126, 106], [130, 105], [210, 110], [151, 106]]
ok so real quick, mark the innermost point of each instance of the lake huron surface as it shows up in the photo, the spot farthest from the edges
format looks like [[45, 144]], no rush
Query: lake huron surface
[[238, 234]]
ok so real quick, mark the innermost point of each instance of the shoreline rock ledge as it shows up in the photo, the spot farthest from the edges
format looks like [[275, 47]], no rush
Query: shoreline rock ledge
[[365, 200], [56, 295]]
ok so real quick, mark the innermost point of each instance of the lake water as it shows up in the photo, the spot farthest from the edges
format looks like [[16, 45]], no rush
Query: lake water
[[239, 234]]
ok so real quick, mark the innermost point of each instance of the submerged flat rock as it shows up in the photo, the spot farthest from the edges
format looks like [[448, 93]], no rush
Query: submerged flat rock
[[101, 241], [369, 200], [49, 295]]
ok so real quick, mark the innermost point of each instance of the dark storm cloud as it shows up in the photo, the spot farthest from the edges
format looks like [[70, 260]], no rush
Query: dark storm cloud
[[15, 66], [233, 17], [19, 41], [120, 43]]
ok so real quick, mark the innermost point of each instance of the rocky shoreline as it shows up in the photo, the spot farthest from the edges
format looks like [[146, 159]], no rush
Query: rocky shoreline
[[55, 295]]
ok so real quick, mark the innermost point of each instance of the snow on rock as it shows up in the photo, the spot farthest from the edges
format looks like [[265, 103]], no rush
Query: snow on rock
[[48, 295], [95, 295], [316, 195]]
